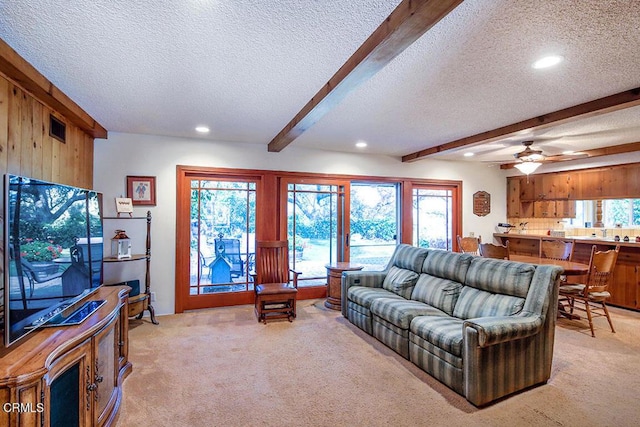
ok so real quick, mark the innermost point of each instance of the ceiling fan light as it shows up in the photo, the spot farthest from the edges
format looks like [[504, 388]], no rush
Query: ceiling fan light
[[533, 157], [527, 167]]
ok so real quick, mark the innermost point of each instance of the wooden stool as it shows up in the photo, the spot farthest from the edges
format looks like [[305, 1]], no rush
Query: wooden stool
[[275, 301]]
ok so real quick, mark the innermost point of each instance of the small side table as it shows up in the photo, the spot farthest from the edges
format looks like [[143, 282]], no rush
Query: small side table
[[334, 282]]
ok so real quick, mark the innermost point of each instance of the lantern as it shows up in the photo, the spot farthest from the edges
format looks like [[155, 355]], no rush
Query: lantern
[[121, 245]]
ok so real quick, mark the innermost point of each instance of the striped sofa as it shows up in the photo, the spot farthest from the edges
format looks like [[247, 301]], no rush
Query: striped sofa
[[484, 327]]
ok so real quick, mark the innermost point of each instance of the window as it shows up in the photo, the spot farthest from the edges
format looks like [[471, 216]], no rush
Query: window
[[433, 217], [623, 212]]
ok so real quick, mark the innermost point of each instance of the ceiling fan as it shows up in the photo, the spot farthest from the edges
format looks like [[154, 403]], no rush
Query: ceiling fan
[[529, 159]]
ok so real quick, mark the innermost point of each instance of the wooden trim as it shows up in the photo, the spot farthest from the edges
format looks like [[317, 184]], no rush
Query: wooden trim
[[18, 70], [408, 22], [586, 154], [608, 104]]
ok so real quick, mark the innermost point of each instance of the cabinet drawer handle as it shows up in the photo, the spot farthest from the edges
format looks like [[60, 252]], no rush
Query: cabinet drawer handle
[[91, 387]]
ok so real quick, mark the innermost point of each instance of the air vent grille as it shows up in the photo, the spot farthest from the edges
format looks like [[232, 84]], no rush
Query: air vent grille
[[57, 129]]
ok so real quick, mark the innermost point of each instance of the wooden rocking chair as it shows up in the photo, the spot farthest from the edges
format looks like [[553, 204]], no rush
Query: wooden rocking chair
[[275, 295]]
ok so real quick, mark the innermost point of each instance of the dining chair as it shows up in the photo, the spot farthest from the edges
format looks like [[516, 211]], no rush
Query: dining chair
[[556, 249], [489, 250], [469, 245], [594, 293], [275, 292]]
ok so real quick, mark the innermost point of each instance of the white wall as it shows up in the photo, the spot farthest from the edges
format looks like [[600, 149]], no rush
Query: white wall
[[131, 154]]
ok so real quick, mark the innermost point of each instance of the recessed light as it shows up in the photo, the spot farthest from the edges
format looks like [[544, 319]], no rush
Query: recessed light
[[469, 154], [547, 61], [361, 144], [202, 129]]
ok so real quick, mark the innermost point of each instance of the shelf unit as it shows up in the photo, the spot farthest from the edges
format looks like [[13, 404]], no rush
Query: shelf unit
[[141, 302]]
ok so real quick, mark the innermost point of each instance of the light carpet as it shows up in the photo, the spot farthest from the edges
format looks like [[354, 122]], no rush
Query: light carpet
[[220, 367]]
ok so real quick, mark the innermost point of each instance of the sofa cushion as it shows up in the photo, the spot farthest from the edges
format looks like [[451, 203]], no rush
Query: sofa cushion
[[400, 281], [500, 276], [474, 303], [400, 312], [437, 292], [364, 296], [447, 265], [409, 257], [442, 332]]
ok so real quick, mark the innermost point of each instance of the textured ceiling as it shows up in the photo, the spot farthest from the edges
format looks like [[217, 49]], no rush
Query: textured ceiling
[[246, 67]]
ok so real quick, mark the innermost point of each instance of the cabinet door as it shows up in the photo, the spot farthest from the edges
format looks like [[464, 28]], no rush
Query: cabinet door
[[528, 188], [556, 186], [513, 197], [544, 209], [106, 363], [623, 286], [565, 208], [68, 391]]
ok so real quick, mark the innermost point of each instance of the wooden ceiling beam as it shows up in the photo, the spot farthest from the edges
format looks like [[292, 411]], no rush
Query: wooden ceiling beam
[[608, 104], [410, 20], [586, 154]]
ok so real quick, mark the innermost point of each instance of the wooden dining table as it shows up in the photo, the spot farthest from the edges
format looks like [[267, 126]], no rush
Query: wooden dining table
[[571, 268]]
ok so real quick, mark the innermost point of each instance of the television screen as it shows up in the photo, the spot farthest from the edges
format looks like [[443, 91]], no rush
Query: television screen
[[53, 251]]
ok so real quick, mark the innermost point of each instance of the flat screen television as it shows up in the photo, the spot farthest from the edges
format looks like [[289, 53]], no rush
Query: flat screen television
[[52, 239]]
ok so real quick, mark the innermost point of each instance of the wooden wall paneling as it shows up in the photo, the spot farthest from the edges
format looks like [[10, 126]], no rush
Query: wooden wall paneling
[[55, 157], [14, 129], [64, 157], [4, 123], [26, 146], [76, 168], [47, 147], [36, 140]]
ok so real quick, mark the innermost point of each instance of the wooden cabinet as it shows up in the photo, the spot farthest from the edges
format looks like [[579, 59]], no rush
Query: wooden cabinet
[[141, 302], [516, 208], [69, 375], [554, 209], [521, 202]]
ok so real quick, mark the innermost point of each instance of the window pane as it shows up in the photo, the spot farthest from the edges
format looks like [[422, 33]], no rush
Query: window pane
[[374, 224], [223, 237], [312, 224], [432, 218]]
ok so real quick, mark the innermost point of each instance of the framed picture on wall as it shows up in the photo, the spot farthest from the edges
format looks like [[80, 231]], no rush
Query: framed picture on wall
[[142, 190]]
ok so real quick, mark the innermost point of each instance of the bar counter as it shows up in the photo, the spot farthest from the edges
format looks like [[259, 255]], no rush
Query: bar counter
[[625, 287]]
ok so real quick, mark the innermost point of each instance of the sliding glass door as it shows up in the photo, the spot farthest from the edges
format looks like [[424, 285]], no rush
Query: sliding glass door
[[374, 223], [316, 227]]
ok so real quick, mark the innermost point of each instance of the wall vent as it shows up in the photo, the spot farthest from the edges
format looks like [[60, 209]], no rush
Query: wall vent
[[57, 129]]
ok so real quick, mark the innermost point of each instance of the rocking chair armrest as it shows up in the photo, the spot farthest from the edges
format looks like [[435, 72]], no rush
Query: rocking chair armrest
[[295, 276]]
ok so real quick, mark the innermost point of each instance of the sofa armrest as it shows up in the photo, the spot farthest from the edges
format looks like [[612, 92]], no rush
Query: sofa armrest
[[371, 279], [495, 330]]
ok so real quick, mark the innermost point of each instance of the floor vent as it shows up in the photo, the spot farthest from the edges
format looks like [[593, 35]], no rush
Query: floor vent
[[57, 129]]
